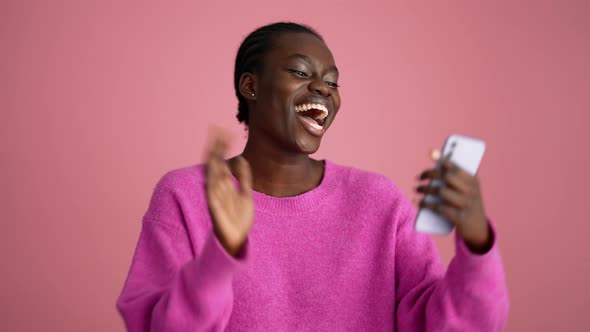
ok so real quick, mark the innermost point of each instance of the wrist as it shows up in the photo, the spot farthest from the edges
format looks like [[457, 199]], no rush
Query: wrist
[[482, 245], [233, 248]]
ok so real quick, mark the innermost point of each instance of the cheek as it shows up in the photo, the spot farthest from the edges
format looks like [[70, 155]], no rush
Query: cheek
[[287, 91], [290, 86], [279, 89], [271, 96], [337, 101]]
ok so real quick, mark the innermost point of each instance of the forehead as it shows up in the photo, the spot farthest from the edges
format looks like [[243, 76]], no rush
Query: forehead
[[287, 44]]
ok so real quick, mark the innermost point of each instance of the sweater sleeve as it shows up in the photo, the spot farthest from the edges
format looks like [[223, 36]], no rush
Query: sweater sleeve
[[166, 290], [470, 296], [169, 287]]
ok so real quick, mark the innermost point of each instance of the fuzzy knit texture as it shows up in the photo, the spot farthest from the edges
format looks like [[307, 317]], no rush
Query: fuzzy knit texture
[[343, 256]]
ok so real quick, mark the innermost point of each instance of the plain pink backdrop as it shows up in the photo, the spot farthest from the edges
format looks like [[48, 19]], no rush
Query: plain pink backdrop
[[101, 98]]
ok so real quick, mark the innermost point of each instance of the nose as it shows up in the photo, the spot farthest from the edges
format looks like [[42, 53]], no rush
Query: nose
[[320, 87]]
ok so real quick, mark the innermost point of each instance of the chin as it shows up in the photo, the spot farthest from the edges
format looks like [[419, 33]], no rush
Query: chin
[[308, 146]]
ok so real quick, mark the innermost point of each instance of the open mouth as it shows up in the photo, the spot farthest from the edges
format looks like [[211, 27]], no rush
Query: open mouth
[[313, 114]]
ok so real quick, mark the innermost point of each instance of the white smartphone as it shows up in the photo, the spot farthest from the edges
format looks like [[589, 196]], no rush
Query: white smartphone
[[465, 152]]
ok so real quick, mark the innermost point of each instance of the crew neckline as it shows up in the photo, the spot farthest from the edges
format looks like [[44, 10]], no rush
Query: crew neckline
[[302, 203]]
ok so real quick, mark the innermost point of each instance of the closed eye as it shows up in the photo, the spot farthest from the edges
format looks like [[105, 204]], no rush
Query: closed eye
[[303, 74], [333, 84], [299, 73]]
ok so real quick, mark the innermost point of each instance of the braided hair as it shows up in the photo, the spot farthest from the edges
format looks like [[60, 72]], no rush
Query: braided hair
[[252, 50]]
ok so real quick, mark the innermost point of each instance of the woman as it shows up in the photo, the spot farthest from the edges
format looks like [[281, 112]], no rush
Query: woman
[[273, 240]]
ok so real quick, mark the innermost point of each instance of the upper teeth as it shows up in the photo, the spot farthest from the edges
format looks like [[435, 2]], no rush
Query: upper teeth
[[307, 107]]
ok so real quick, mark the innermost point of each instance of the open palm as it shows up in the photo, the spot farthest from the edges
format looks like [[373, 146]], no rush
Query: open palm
[[231, 209]]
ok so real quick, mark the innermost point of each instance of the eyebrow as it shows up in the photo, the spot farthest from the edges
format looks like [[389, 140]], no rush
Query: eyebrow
[[308, 60]]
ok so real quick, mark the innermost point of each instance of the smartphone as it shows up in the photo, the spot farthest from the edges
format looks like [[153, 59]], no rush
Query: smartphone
[[466, 153]]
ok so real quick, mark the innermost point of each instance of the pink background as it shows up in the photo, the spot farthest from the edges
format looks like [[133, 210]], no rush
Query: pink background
[[99, 99]]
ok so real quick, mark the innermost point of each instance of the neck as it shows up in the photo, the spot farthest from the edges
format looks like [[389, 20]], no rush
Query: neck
[[280, 173]]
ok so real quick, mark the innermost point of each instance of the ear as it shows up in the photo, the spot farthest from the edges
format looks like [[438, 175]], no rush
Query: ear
[[248, 86]]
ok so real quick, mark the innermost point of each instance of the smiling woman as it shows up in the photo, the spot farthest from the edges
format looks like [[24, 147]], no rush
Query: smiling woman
[[274, 240], [287, 87]]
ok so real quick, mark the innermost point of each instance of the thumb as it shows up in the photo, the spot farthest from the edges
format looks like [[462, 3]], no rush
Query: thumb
[[435, 154], [244, 175]]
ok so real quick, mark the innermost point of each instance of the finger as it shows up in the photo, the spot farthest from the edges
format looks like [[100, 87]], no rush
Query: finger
[[458, 183], [218, 148], [436, 172], [450, 167], [214, 168], [447, 195], [220, 192], [224, 170], [453, 197], [214, 151], [215, 195], [223, 190], [217, 160], [447, 164], [218, 174], [216, 202], [453, 180], [219, 141], [444, 166], [428, 189], [213, 201], [226, 186], [244, 175], [431, 174]]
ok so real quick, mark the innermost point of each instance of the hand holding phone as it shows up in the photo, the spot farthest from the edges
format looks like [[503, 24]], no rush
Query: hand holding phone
[[466, 153]]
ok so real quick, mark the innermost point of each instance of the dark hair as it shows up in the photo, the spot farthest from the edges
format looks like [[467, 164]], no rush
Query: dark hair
[[252, 50]]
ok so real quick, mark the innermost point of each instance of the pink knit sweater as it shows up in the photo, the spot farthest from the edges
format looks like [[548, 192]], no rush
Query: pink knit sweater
[[341, 257]]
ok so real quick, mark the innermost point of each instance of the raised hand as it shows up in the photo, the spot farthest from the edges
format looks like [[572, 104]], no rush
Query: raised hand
[[460, 203], [231, 209]]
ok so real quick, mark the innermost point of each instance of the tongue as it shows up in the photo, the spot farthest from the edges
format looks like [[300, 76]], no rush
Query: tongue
[[309, 119]]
